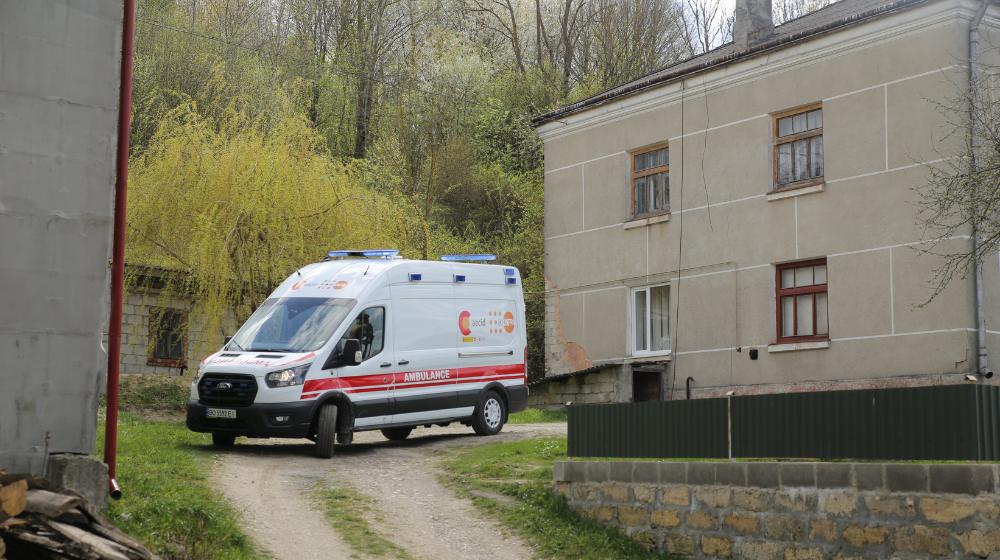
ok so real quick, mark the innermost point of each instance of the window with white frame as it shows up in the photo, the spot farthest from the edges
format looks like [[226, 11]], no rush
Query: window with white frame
[[650, 319]]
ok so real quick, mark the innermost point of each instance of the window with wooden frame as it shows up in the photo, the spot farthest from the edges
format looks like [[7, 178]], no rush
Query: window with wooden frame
[[801, 301], [167, 338], [649, 311], [798, 147], [650, 190]]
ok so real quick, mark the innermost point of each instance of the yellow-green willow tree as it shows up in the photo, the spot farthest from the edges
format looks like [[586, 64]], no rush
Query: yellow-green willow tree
[[223, 210]]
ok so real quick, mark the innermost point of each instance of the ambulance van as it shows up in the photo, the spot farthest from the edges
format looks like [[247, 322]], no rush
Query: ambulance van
[[367, 340]]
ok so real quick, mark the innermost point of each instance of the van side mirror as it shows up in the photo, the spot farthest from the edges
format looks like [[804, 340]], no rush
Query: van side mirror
[[349, 355], [228, 338]]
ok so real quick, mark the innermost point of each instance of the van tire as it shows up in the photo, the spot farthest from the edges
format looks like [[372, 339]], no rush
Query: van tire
[[223, 440], [326, 431], [397, 434], [490, 414]]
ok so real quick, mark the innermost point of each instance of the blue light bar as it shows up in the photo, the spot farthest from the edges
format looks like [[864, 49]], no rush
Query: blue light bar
[[509, 272], [367, 253], [460, 278], [415, 277], [512, 280], [469, 257]]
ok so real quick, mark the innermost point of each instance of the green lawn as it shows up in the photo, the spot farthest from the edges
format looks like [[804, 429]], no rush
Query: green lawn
[[537, 416], [167, 502], [522, 470]]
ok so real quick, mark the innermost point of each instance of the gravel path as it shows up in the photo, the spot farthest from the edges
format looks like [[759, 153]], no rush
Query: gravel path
[[268, 482]]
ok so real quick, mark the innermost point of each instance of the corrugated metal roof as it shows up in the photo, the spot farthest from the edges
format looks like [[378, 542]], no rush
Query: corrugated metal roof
[[838, 15]]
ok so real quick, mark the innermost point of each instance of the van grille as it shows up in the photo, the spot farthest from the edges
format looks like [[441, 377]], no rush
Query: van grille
[[241, 392]]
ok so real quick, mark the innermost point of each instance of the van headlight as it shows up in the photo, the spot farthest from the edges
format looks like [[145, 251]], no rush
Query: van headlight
[[287, 377]]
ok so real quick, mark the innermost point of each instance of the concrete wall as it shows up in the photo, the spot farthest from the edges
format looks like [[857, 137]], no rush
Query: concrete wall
[[59, 64], [794, 511], [597, 387], [880, 84]]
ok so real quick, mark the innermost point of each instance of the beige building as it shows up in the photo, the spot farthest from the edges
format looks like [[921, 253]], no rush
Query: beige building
[[747, 218]]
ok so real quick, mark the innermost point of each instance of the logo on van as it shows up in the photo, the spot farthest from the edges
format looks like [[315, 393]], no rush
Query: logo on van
[[508, 322], [465, 323]]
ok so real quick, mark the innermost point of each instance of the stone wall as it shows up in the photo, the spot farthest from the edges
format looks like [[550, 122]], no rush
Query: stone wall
[[794, 511], [598, 387], [136, 340]]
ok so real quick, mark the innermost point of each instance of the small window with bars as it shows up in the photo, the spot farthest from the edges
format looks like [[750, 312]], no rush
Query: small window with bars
[[798, 148], [650, 181], [167, 338], [802, 301]]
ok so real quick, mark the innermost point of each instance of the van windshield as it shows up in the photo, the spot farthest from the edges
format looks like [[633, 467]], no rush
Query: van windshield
[[298, 324]]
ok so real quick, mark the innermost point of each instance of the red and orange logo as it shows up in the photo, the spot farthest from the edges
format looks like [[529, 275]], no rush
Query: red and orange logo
[[465, 323], [340, 285], [508, 322]]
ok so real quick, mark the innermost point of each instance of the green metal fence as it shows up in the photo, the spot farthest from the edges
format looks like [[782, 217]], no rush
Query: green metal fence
[[956, 422], [695, 428]]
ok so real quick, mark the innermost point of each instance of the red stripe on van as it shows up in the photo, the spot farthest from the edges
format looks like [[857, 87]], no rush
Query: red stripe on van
[[484, 379], [376, 382]]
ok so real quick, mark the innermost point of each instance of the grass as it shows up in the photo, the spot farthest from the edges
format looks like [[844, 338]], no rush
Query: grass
[[348, 512], [146, 394], [537, 416], [522, 470], [167, 502]]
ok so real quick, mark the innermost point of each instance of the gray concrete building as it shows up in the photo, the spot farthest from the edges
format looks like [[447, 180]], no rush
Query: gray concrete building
[[59, 66], [747, 218]]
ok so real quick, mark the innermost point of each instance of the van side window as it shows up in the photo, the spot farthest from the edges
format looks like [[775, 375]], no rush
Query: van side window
[[369, 328]]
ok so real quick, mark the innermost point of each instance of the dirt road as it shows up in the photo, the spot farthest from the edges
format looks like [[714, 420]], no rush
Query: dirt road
[[268, 481]]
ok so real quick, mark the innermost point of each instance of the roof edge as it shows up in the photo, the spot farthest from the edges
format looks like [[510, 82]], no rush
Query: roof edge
[[653, 80]]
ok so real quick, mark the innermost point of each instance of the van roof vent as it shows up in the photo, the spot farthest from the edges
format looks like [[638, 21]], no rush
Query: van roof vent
[[474, 257], [363, 254]]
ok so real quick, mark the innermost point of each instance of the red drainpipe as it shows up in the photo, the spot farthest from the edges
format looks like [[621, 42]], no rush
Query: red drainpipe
[[118, 248]]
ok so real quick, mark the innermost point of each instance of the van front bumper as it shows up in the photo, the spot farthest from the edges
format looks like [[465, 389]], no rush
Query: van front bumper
[[258, 420]]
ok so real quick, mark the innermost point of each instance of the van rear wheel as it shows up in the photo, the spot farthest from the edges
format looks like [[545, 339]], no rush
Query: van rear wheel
[[326, 431], [223, 440], [490, 414], [396, 434]]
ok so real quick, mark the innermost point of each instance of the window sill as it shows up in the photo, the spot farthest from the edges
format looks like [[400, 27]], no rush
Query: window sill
[[795, 346], [650, 357], [647, 221], [796, 191]]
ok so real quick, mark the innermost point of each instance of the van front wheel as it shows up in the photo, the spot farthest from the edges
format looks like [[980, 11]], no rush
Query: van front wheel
[[223, 440], [490, 414], [326, 431]]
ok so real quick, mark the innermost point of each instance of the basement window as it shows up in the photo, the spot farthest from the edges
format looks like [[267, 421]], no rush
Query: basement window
[[798, 148], [167, 338], [649, 311]]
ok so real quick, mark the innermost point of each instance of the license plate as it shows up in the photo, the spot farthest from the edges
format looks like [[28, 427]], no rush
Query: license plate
[[219, 413]]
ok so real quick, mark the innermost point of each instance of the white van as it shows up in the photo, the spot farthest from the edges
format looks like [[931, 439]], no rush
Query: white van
[[366, 340]]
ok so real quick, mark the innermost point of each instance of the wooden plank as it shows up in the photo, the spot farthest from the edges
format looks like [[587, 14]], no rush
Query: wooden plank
[[13, 498], [50, 504], [107, 550]]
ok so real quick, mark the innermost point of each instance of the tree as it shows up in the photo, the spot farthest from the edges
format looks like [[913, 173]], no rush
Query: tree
[[962, 196]]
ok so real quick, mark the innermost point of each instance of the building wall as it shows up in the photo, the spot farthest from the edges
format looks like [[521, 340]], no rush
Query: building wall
[[880, 84], [59, 64], [792, 510], [200, 341]]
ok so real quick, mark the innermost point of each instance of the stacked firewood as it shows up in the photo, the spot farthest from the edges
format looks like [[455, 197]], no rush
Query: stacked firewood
[[39, 521]]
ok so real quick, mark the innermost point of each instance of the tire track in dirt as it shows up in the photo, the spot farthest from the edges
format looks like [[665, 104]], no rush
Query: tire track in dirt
[[269, 482]]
